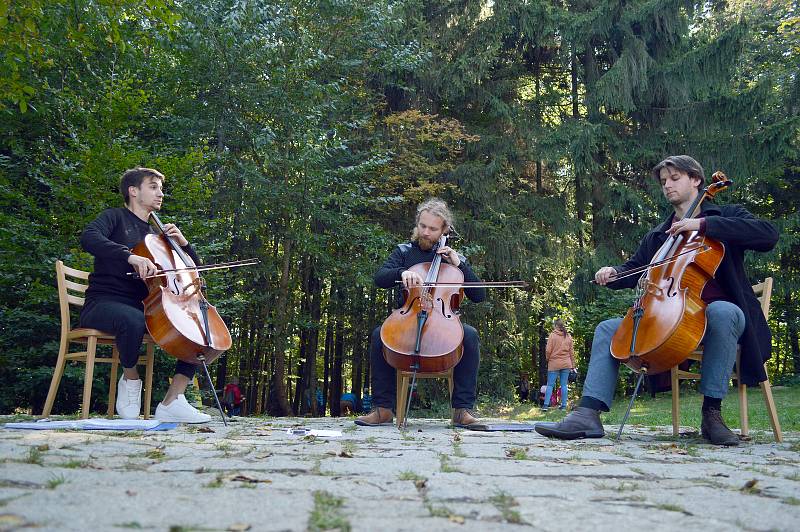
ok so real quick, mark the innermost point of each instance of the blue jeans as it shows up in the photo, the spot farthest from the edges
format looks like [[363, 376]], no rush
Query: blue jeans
[[563, 379], [724, 325]]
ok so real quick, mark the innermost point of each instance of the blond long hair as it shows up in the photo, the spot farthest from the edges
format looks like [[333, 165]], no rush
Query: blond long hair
[[436, 207]]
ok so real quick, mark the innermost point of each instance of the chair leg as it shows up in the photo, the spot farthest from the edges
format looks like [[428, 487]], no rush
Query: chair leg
[[112, 385], [402, 398], [91, 348], [766, 389], [676, 404], [744, 422], [148, 379], [58, 372]]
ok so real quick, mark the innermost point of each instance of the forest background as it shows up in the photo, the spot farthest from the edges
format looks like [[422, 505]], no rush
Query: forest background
[[304, 133]]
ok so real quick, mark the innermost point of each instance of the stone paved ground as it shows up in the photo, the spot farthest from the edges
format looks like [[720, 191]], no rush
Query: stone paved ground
[[253, 476]]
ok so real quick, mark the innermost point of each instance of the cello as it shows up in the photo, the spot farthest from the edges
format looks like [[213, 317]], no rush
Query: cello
[[425, 334], [177, 314], [667, 320]]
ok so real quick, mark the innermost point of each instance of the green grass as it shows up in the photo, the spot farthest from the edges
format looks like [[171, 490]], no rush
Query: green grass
[[327, 513], [504, 504], [54, 481], [517, 453], [410, 475], [445, 466], [658, 411], [34, 455]]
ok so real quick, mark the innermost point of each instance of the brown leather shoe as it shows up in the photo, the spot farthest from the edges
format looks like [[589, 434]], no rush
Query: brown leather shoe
[[376, 417], [713, 429], [463, 417]]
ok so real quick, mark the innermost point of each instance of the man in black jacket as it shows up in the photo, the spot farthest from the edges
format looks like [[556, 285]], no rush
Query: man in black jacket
[[733, 313], [433, 220], [114, 299]]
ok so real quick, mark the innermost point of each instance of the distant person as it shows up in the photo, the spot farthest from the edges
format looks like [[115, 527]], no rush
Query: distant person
[[560, 361], [523, 388], [232, 398], [366, 402], [347, 404]]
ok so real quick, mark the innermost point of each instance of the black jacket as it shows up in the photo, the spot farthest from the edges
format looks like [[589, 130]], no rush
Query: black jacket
[[739, 230], [407, 255], [110, 238]]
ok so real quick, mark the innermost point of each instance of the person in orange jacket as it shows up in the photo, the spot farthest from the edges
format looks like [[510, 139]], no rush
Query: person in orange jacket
[[560, 361]]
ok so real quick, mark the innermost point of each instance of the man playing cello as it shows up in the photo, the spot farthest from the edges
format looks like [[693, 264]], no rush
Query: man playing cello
[[733, 314], [433, 220], [114, 299]]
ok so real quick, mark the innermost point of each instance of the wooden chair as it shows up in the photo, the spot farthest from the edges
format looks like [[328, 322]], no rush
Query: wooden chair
[[90, 337], [403, 383], [764, 293]]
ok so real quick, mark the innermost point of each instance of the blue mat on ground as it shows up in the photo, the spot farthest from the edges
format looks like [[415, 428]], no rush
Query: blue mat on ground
[[498, 427], [93, 424]]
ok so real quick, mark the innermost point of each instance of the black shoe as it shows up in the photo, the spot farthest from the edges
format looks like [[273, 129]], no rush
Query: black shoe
[[714, 429], [582, 422]]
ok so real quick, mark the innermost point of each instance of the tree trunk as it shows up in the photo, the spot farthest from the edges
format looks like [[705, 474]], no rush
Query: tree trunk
[[580, 200], [358, 343], [338, 356], [282, 408], [328, 347], [541, 352], [792, 331]]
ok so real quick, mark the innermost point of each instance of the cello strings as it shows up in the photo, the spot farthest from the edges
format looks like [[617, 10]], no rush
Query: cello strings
[[653, 265]]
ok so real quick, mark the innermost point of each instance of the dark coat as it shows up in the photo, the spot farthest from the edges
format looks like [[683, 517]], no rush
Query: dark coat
[[406, 255], [739, 230]]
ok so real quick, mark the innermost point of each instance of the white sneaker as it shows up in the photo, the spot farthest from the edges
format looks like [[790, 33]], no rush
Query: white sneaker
[[129, 398], [180, 411]]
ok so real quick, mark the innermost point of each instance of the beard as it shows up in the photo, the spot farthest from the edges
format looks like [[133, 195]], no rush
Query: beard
[[425, 245]]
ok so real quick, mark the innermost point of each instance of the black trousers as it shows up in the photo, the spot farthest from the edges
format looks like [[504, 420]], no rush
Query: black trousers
[[126, 322], [465, 374]]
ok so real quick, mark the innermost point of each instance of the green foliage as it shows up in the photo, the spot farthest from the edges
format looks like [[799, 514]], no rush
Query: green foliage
[[304, 133]]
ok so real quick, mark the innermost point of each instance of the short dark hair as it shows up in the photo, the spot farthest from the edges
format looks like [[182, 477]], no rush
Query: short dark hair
[[684, 163], [134, 178]]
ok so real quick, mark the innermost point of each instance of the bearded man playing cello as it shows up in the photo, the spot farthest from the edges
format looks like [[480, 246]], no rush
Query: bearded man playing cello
[[733, 314], [433, 220], [114, 298]]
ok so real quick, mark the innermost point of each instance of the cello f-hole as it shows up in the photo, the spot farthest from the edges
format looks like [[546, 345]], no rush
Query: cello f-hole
[[444, 309], [670, 293], [408, 306]]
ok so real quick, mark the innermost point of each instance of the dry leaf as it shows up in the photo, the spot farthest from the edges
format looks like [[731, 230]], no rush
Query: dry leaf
[[750, 486], [457, 437], [205, 429], [456, 519], [239, 527], [11, 521], [420, 483], [346, 454]]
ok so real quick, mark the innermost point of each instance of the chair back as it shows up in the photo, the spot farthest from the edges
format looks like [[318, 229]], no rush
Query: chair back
[[72, 284], [763, 292]]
